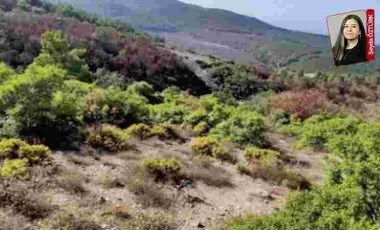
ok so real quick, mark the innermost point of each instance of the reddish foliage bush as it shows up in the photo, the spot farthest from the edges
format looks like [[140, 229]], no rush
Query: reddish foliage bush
[[141, 53], [302, 104], [34, 30], [80, 31]]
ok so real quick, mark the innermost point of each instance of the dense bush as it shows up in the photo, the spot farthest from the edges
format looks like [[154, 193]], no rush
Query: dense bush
[[260, 102], [168, 113], [350, 199], [142, 131], [16, 168], [115, 106], [161, 168], [205, 146], [242, 127], [201, 129], [238, 81], [18, 149], [302, 104], [163, 131], [140, 60], [26, 100], [358, 165], [5, 72], [318, 134], [177, 107], [266, 157], [330, 208], [56, 50], [16, 155], [108, 137]]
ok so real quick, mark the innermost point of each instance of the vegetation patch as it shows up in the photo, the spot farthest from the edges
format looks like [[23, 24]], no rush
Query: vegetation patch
[[24, 201], [162, 168], [108, 137], [210, 147], [267, 164]]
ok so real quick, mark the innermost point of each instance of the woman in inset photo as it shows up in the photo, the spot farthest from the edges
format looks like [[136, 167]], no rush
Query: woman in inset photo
[[350, 46]]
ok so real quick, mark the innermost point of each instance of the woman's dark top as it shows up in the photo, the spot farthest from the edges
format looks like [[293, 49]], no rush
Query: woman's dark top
[[353, 55]]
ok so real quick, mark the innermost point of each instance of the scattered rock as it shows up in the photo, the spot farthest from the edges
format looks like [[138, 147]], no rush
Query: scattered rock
[[200, 225]]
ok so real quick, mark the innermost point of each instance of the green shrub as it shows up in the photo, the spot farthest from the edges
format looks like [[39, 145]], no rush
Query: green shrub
[[56, 51], [219, 113], [70, 101], [108, 137], [161, 168], [140, 130], [163, 131], [142, 89], [242, 128], [242, 169], [317, 134], [349, 199], [5, 72], [171, 94], [16, 168], [281, 118], [330, 208], [35, 153], [18, 149], [221, 153], [208, 102], [206, 146], [168, 112], [124, 107], [9, 127], [263, 156], [201, 129], [196, 116], [115, 106], [260, 102], [203, 146], [27, 98], [188, 100]]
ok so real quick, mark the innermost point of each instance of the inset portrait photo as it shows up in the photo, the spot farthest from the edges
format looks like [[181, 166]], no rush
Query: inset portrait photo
[[352, 36]]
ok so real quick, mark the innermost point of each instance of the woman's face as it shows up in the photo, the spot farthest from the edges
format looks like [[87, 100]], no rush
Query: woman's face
[[351, 29]]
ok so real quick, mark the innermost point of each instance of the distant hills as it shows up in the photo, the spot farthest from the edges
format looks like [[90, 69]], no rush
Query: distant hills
[[224, 33]]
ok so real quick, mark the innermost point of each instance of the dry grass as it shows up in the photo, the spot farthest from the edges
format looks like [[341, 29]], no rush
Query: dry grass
[[109, 180], [149, 194], [120, 211], [64, 219], [11, 221], [22, 200], [278, 175], [42, 177], [207, 173], [152, 221], [72, 181], [79, 160]]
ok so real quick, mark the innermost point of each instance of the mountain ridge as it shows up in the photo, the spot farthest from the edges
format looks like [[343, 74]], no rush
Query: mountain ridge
[[250, 40]]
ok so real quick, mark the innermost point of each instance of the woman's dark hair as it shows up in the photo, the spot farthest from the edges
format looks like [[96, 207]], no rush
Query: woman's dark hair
[[341, 41]]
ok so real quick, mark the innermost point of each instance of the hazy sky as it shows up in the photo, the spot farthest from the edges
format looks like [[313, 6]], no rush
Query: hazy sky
[[303, 15]]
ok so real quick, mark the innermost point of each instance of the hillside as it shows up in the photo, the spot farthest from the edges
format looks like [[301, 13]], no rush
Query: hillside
[[225, 34], [104, 127]]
